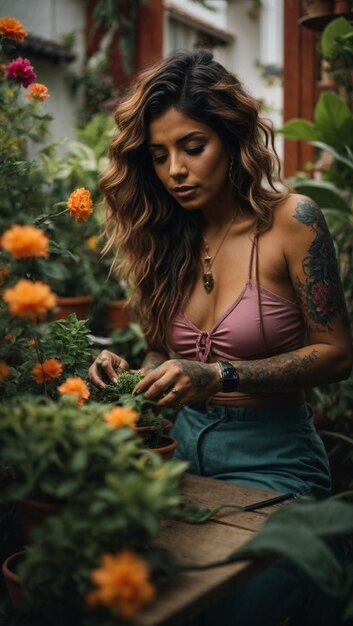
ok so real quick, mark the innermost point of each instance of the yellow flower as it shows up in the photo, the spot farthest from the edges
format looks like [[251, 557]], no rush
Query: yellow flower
[[123, 582], [29, 299], [92, 242], [76, 387], [80, 204], [120, 416], [25, 241], [4, 371], [47, 371], [12, 29], [37, 91]]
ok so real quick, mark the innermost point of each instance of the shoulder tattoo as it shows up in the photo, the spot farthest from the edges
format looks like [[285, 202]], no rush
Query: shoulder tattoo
[[321, 292]]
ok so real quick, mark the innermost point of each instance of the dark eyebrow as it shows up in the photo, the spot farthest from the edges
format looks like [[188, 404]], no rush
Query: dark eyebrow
[[181, 140]]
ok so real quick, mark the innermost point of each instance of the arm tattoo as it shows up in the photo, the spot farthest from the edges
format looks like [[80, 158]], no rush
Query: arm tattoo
[[320, 294], [283, 372], [199, 373]]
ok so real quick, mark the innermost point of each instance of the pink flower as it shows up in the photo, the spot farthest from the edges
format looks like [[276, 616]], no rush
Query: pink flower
[[324, 297], [21, 70]]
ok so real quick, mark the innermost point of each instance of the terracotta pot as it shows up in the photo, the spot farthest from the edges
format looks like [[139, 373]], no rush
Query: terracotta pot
[[167, 451], [12, 581], [117, 314], [33, 513], [75, 304], [342, 6], [318, 8]]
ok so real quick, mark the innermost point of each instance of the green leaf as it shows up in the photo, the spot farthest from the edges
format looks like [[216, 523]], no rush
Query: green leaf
[[336, 28], [299, 129], [338, 157], [334, 120], [324, 194], [299, 531]]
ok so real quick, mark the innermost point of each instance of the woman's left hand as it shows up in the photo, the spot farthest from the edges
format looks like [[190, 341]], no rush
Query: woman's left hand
[[187, 382]]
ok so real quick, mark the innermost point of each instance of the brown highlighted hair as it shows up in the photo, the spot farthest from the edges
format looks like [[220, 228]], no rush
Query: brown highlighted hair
[[158, 243]]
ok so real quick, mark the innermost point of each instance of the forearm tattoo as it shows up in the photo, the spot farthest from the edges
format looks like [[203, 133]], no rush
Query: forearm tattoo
[[283, 372], [320, 294], [200, 374]]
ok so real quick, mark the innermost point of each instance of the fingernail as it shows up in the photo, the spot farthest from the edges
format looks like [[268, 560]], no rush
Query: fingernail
[[114, 379]]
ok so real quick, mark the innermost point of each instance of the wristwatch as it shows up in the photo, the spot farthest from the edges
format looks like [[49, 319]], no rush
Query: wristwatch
[[229, 377]]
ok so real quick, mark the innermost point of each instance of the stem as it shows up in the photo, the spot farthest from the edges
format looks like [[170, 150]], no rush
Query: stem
[[52, 215], [40, 359]]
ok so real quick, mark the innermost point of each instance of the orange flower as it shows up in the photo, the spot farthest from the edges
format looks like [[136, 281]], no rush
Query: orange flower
[[4, 371], [80, 204], [25, 241], [123, 584], [29, 299], [76, 387], [37, 91], [120, 416], [47, 371], [12, 29]]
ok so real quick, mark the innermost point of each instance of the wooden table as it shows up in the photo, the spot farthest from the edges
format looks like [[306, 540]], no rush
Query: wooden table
[[189, 593]]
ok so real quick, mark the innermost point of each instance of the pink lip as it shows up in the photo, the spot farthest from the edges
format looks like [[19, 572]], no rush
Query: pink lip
[[184, 192]]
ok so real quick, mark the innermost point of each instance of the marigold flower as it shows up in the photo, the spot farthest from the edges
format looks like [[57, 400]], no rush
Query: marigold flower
[[12, 29], [80, 204], [121, 416], [22, 71], [25, 241], [29, 299], [4, 371], [76, 387], [123, 584], [47, 371], [37, 91]]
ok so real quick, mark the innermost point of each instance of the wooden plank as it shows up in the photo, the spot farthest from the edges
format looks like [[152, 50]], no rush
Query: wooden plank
[[183, 597]]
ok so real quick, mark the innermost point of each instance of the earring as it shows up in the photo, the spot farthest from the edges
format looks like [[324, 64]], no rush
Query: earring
[[230, 172]]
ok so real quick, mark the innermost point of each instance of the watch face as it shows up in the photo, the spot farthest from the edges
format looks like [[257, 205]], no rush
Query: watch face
[[230, 378]]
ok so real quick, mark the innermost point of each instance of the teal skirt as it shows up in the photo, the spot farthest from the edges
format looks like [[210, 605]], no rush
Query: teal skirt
[[274, 448]]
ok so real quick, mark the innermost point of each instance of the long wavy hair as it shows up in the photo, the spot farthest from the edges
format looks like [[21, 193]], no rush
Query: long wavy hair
[[158, 244]]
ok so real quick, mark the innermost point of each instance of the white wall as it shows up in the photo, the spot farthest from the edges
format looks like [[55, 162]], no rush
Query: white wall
[[259, 40], [50, 19]]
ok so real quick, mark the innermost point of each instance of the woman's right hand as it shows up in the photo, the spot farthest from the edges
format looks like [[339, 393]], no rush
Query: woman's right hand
[[109, 363]]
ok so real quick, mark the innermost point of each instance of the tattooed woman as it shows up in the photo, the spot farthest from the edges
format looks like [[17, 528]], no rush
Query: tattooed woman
[[234, 281]]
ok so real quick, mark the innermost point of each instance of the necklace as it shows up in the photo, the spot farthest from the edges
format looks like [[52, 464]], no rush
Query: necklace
[[207, 276]]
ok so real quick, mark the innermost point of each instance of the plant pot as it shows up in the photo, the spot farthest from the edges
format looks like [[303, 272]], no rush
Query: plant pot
[[168, 449], [318, 8], [342, 6], [12, 580], [33, 513], [74, 304], [117, 314]]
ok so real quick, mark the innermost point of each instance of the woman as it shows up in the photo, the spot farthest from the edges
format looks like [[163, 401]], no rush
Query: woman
[[235, 282]]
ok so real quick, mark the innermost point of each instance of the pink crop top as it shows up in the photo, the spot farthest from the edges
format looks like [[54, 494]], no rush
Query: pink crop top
[[237, 333]]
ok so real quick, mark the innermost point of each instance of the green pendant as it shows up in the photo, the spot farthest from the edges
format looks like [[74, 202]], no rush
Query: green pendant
[[208, 281]]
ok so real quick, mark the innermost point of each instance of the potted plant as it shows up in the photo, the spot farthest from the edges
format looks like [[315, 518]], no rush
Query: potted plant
[[58, 450], [153, 423]]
